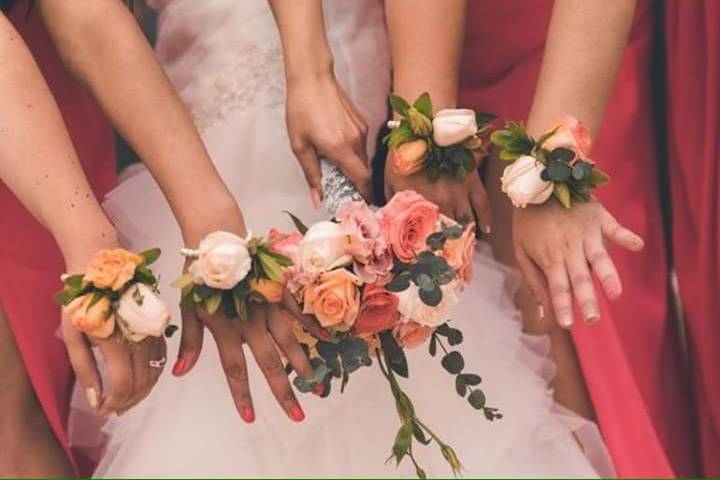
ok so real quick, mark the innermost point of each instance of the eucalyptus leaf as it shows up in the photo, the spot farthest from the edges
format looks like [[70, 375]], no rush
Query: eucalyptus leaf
[[432, 349], [471, 379], [483, 118], [400, 283], [394, 355], [204, 291], [477, 399], [453, 362], [562, 155], [558, 171], [419, 434], [460, 386], [432, 297], [436, 240], [170, 330]]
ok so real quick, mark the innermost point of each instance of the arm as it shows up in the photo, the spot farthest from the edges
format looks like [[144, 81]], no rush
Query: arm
[[554, 246], [321, 119]]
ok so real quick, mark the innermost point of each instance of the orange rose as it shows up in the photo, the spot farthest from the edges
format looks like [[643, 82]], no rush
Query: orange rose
[[459, 252], [97, 320], [272, 291], [112, 268], [570, 133], [334, 298], [411, 334], [409, 157]]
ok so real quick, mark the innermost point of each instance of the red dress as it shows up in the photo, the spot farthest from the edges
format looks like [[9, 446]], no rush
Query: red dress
[[692, 37], [30, 262], [631, 360]]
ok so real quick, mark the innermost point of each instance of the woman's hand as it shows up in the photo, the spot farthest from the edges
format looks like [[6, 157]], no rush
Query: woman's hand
[[556, 249], [322, 122]]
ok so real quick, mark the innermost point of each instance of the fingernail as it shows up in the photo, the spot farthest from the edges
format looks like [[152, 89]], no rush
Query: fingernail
[[614, 293], [296, 413], [540, 311], [319, 389], [92, 397], [566, 321], [315, 197], [487, 229], [248, 414], [179, 367], [591, 315]]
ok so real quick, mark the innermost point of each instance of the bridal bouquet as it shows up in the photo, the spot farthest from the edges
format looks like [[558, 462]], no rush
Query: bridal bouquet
[[379, 282]]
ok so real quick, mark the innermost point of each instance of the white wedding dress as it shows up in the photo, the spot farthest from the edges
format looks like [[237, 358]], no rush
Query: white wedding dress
[[224, 56]]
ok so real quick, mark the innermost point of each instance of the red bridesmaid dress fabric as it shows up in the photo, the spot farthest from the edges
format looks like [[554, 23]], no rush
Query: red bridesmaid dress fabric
[[692, 38], [30, 262], [631, 360]]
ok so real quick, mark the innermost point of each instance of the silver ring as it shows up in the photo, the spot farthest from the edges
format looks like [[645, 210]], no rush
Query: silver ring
[[158, 363]]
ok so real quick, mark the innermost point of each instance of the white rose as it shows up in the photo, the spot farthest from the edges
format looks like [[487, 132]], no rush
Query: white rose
[[223, 262], [141, 313], [411, 307], [451, 126], [324, 247], [521, 181]]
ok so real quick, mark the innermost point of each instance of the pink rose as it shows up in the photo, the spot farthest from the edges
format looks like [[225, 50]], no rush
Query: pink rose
[[334, 298], [459, 253], [285, 243], [411, 334], [570, 133], [378, 310], [371, 258], [407, 221]]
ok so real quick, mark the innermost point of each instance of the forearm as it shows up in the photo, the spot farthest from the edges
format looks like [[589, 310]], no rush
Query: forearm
[[426, 38], [37, 159], [102, 45], [583, 52]]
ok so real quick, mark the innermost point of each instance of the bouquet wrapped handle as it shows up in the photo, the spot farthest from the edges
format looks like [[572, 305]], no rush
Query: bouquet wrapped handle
[[337, 188]]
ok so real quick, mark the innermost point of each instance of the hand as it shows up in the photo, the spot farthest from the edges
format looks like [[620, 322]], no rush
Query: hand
[[556, 247], [462, 200], [322, 122]]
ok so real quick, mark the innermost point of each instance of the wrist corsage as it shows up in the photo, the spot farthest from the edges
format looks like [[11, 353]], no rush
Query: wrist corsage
[[556, 163], [228, 271], [444, 143], [117, 289]]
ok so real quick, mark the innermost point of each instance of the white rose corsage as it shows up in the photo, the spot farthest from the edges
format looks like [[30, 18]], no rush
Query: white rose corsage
[[227, 271]]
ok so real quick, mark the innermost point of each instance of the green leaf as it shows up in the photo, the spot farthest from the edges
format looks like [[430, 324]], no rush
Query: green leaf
[[64, 297], [183, 281], [145, 275], [270, 266], [299, 225], [483, 118], [540, 141], [471, 379], [501, 137], [558, 171], [403, 134], [424, 105], [150, 256], [432, 297], [188, 300], [436, 240], [394, 355], [75, 281], [455, 337], [402, 442], [509, 156], [281, 259], [97, 296], [400, 283], [598, 177], [460, 386], [240, 307], [170, 330], [453, 362], [562, 192], [453, 231], [329, 352], [563, 155], [581, 170], [419, 434], [477, 399], [424, 282], [432, 349], [204, 291], [212, 304], [399, 104]]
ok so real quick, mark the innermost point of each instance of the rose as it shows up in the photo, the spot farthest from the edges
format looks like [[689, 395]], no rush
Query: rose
[[334, 298], [271, 291], [411, 334], [112, 268], [285, 244], [96, 320], [521, 181], [140, 313], [368, 246], [409, 157], [378, 310], [406, 222], [453, 125], [224, 261], [412, 307], [324, 247], [459, 252], [570, 133], [302, 336]]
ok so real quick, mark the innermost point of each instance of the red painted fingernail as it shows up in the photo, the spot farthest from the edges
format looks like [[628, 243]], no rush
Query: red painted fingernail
[[179, 367], [319, 389], [296, 413], [248, 414]]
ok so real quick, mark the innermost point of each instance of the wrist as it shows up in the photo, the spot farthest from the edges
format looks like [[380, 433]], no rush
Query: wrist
[[77, 251], [313, 69], [222, 214]]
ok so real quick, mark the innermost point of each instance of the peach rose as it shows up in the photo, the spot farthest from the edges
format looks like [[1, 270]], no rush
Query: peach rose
[[459, 252], [570, 133], [378, 310], [272, 291], [411, 334], [96, 321], [407, 221], [334, 299], [409, 157], [112, 268]]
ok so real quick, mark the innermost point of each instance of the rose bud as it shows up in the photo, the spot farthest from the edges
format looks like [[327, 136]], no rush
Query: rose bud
[[224, 261], [409, 157], [419, 123], [271, 291], [324, 247], [521, 182], [96, 321], [570, 133], [141, 313], [451, 126]]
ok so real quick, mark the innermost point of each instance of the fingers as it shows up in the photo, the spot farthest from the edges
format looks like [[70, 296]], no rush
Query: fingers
[[229, 339], [310, 164], [535, 281], [308, 321], [355, 167], [145, 375], [263, 348], [620, 235], [480, 203], [559, 292], [582, 284], [191, 341], [120, 375], [603, 265], [279, 321], [83, 363]]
